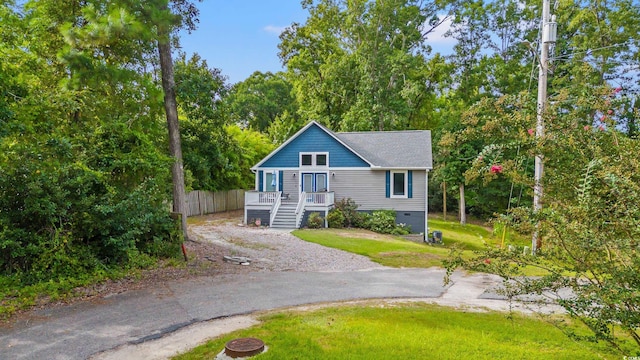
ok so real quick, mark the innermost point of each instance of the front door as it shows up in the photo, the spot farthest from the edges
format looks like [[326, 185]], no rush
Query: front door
[[314, 182]]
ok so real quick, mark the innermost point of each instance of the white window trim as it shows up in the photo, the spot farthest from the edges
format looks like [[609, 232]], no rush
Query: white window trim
[[406, 185], [314, 164], [264, 179], [314, 174]]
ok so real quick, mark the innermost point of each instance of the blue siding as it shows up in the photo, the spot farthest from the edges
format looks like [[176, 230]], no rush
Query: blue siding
[[314, 139]]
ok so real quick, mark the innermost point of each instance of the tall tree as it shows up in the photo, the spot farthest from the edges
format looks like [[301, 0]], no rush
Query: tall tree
[[168, 16], [467, 84], [589, 221], [82, 179], [171, 110], [207, 146], [599, 44], [260, 99], [361, 65]]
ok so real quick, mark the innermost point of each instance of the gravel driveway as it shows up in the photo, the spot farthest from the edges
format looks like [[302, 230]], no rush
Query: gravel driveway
[[275, 249]]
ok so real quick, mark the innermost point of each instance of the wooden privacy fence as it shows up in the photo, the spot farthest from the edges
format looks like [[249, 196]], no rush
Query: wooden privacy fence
[[207, 202]]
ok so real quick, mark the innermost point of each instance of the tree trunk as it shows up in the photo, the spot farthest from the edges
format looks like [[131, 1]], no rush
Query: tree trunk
[[463, 213], [171, 109]]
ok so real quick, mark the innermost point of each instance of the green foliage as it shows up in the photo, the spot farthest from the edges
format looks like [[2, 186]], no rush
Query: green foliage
[[253, 147], [336, 219], [209, 153], [59, 218], [349, 209], [361, 65], [589, 221], [384, 222], [261, 99], [315, 221], [285, 126], [84, 174]]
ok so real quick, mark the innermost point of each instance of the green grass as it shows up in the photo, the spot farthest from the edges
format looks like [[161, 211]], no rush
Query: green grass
[[395, 251], [408, 331], [387, 250]]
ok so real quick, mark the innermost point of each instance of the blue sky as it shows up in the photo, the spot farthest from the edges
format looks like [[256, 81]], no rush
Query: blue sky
[[241, 37]]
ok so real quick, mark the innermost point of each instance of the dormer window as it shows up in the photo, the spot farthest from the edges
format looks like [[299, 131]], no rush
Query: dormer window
[[314, 159]]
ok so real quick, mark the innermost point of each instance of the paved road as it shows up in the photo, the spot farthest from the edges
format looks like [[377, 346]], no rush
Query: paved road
[[81, 330]]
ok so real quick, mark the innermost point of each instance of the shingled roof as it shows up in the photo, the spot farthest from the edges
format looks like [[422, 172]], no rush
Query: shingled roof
[[392, 149], [409, 149]]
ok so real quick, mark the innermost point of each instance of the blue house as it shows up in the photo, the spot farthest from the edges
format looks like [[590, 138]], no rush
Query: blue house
[[317, 167]]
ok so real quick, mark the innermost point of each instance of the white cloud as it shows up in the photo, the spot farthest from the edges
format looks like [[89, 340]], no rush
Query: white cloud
[[437, 35], [274, 29]]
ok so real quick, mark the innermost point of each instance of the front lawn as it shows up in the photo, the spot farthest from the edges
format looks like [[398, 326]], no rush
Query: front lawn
[[388, 250], [395, 251], [406, 331]]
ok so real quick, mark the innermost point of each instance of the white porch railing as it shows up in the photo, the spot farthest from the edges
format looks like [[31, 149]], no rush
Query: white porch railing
[[274, 208], [300, 208], [273, 200], [261, 197], [319, 198]]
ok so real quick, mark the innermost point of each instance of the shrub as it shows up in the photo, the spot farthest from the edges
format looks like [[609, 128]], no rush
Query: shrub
[[364, 221], [401, 229], [349, 209], [64, 216], [315, 221], [383, 221], [336, 219]]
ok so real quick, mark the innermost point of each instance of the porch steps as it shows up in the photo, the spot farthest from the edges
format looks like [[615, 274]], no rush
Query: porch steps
[[286, 217]]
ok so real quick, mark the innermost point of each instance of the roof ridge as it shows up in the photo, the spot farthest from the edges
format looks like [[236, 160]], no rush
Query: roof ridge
[[378, 131]]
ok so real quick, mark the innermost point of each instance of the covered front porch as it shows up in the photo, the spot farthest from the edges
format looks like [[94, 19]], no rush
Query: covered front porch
[[281, 210]]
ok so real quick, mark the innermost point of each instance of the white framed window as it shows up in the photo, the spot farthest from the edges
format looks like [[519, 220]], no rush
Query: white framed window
[[316, 160], [270, 181], [399, 184]]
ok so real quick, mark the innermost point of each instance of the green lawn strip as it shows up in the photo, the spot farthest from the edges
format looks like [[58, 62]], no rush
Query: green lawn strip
[[469, 237], [396, 251], [386, 250], [408, 331]]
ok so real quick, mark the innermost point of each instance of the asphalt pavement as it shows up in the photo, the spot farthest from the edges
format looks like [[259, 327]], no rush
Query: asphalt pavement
[[127, 320]]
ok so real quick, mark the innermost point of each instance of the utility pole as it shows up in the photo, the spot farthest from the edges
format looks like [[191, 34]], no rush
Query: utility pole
[[549, 30]]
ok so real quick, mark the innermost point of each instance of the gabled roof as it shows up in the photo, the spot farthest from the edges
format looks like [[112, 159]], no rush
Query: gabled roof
[[392, 149], [410, 149], [301, 131]]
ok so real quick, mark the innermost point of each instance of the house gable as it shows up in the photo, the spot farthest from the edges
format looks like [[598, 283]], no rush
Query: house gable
[[313, 139]]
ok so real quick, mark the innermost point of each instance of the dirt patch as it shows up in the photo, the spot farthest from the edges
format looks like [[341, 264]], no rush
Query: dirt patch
[[362, 234], [229, 217]]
